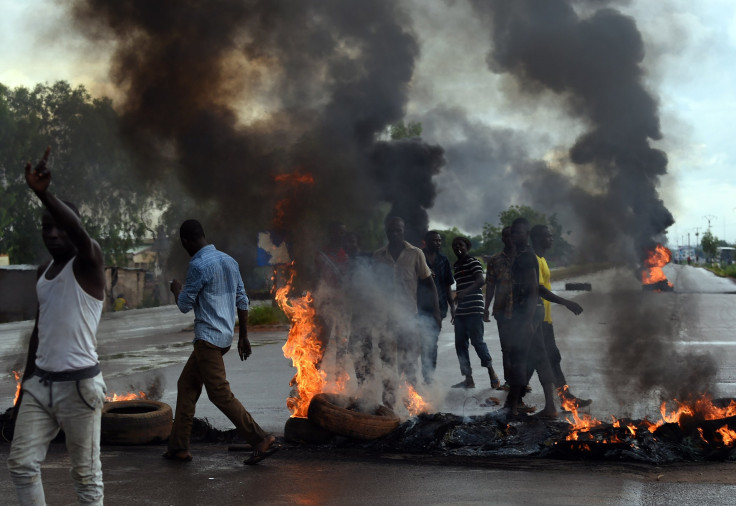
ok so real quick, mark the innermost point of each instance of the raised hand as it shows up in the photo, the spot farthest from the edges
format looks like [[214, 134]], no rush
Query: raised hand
[[38, 178]]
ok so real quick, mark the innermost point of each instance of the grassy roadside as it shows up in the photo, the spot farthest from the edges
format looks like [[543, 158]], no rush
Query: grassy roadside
[[571, 271], [728, 272]]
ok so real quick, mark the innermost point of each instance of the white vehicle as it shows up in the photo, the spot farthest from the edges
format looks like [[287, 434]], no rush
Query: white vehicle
[[725, 255]]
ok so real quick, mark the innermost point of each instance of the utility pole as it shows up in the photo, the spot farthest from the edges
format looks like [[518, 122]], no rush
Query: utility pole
[[709, 218]]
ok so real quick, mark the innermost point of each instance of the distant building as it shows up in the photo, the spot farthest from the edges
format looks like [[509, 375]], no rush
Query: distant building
[[18, 293], [142, 257]]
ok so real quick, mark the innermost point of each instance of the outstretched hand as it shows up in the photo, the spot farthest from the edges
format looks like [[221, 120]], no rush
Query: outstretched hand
[[574, 307], [39, 177]]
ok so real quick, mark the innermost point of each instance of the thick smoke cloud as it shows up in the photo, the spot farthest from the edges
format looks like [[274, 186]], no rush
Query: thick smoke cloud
[[486, 168], [594, 62], [333, 76]]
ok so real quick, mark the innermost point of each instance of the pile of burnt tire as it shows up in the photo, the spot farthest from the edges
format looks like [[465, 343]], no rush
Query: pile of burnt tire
[[331, 415], [136, 422]]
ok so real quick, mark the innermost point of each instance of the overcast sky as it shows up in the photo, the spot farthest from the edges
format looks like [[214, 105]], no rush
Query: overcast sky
[[689, 68]]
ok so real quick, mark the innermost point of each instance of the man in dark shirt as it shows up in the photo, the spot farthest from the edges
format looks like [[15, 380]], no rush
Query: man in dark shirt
[[527, 350], [443, 280], [468, 318]]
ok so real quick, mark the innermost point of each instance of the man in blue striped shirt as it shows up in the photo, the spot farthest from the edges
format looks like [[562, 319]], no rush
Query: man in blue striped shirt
[[214, 289]]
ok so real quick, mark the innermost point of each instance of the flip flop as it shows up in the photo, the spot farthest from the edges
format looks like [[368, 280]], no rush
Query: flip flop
[[178, 455], [258, 456]]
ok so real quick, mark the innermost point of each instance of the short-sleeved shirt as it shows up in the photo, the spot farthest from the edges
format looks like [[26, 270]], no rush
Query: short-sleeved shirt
[[402, 275], [466, 270], [545, 279], [523, 262], [499, 275], [214, 289], [442, 276]]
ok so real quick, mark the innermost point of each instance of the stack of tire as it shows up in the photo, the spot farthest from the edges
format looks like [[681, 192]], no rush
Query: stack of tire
[[327, 417]]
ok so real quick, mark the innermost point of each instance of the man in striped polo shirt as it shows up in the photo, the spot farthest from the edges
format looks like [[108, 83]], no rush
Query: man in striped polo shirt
[[468, 318]]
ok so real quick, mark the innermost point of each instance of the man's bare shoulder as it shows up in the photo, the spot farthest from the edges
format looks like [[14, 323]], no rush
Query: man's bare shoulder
[[42, 268]]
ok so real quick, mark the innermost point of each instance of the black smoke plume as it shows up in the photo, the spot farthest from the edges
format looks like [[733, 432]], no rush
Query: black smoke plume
[[227, 96], [594, 64]]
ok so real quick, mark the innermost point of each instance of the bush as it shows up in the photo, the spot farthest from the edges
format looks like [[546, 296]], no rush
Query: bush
[[266, 315]]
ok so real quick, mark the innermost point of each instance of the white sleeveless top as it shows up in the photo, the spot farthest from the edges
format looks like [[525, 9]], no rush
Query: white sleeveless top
[[67, 323]]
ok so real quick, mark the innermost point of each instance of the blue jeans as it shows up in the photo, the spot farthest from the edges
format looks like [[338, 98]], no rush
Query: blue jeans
[[469, 328]]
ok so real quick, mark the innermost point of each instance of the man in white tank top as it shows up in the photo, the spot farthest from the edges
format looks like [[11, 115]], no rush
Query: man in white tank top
[[62, 388]]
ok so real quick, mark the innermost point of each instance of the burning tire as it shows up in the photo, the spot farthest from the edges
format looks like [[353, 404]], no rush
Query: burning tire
[[136, 422], [303, 430], [325, 410]]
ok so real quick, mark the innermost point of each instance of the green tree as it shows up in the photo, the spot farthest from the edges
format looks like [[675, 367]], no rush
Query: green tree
[[491, 237], [90, 167], [402, 131], [709, 243]]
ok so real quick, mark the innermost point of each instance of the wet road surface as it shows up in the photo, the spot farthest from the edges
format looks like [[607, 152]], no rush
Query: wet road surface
[[146, 349]]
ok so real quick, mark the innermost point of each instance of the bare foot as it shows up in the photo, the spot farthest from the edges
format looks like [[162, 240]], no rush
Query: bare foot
[[178, 455]]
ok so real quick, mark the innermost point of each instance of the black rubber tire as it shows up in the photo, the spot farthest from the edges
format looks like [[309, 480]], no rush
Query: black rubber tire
[[583, 287], [136, 422], [325, 410], [303, 430]]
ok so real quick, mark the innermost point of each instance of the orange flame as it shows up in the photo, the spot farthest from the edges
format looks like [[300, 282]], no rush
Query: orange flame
[[580, 424], [699, 409], [296, 177], [728, 435], [302, 347], [17, 386], [129, 396], [414, 402], [656, 259]]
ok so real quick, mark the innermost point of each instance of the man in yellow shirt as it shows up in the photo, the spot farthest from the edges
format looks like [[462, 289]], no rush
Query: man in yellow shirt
[[541, 242]]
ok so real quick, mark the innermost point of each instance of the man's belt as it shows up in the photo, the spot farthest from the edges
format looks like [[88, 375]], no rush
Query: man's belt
[[79, 374]]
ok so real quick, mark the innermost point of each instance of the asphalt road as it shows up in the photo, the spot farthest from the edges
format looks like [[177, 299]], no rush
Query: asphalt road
[[146, 349]]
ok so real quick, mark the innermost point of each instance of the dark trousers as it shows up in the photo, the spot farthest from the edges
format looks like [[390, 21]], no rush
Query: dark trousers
[[553, 354], [506, 336], [430, 334], [469, 328], [528, 353], [206, 367]]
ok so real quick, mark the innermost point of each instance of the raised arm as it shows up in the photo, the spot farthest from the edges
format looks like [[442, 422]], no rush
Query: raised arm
[[38, 179]]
